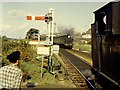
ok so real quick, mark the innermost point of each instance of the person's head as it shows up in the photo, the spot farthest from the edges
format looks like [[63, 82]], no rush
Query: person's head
[[14, 57]]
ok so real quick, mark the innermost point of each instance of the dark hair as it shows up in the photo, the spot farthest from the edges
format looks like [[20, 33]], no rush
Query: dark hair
[[14, 56]]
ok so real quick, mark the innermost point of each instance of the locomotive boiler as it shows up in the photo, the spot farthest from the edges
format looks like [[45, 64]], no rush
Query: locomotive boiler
[[106, 45]]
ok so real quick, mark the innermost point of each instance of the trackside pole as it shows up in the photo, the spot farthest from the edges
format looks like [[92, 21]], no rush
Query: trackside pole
[[51, 38], [42, 67], [42, 57]]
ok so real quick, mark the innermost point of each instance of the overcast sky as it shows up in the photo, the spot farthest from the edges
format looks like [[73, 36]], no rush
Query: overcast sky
[[75, 14]]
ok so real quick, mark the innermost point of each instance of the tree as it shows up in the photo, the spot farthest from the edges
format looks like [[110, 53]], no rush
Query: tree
[[32, 33], [4, 38]]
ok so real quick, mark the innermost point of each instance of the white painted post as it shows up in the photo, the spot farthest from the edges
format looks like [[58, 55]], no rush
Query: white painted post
[[51, 35], [42, 57], [52, 11], [49, 29], [38, 37], [42, 67]]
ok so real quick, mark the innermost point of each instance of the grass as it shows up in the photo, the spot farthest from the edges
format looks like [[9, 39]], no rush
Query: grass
[[32, 67], [83, 47]]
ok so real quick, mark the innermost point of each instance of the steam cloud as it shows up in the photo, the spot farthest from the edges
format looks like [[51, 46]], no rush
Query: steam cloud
[[64, 30]]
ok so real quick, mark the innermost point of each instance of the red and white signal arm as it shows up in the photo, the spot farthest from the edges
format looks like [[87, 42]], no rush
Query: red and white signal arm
[[35, 17]]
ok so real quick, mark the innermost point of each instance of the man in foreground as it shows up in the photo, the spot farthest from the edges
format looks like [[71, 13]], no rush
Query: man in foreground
[[11, 75]]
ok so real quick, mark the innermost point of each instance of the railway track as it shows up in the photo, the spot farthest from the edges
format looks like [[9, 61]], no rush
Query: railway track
[[78, 70], [85, 56], [73, 73]]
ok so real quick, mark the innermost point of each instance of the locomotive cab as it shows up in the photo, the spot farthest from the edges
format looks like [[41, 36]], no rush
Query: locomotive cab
[[106, 45]]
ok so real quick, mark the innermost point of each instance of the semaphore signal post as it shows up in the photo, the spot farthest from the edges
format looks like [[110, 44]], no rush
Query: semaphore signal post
[[49, 19]]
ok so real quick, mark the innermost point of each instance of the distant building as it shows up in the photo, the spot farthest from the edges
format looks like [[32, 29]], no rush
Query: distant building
[[86, 36]]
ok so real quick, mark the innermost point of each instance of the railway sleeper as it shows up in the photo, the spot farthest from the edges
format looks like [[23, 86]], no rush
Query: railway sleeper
[[69, 68], [79, 81], [84, 85], [77, 78], [73, 73]]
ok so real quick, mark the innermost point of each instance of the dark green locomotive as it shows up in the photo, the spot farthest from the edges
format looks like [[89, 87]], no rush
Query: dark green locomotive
[[65, 41]]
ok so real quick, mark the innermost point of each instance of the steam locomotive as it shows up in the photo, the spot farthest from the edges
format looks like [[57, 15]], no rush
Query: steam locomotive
[[106, 46], [65, 41]]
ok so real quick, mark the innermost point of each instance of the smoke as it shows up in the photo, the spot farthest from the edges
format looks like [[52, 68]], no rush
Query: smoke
[[65, 30], [88, 74]]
